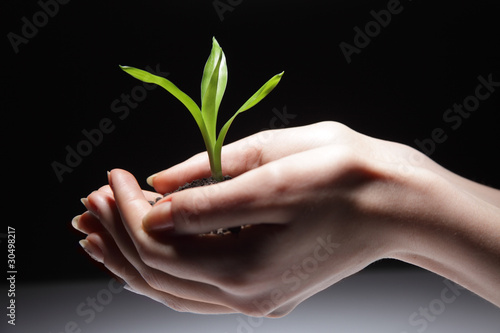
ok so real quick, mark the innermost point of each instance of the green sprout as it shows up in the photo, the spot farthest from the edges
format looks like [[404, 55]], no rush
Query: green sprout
[[213, 86]]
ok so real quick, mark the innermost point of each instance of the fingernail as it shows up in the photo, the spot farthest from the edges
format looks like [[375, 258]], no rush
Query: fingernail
[[92, 250], [132, 290], [150, 179], [91, 207], [85, 202], [127, 287], [74, 222], [159, 218], [109, 178]]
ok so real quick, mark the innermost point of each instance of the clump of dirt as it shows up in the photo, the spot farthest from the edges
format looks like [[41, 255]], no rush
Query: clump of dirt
[[199, 183]]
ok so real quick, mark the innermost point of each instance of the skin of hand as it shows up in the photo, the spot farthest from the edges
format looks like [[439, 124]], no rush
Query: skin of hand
[[322, 202]]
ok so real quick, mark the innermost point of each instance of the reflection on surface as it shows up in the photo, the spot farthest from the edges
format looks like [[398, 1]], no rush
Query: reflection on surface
[[371, 301]]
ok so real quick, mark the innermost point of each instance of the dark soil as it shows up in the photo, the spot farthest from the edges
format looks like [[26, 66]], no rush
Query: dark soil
[[198, 183]]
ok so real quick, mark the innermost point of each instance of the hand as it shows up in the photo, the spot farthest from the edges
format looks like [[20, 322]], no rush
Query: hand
[[108, 241], [322, 202]]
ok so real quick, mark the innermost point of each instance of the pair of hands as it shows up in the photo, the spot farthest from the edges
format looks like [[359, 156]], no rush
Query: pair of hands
[[321, 201]]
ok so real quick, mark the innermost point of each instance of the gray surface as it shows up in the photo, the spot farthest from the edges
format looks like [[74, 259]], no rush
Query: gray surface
[[371, 301]]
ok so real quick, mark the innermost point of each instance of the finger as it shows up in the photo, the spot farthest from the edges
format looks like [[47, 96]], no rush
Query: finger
[[130, 201], [132, 207], [87, 223], [255, 197], [121, 248], [169, 180], [187, 258], [103, 207], [149, 195], [245, 154], [118, 265], [271, 194], [109, 216], [106, 189]]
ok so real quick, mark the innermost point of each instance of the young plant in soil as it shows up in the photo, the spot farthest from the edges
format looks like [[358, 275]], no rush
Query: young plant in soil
[[213, 86]]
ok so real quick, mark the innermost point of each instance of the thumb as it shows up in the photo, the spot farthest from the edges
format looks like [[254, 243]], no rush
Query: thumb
[[244, 200]]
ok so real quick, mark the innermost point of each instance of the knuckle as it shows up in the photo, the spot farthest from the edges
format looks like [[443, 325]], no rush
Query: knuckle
[[93, 201], [152, 280], [251, 310], [346, 159], [280, 312], [332, 126], [188, 208], [243, 285], [332, 132], [252, 157], [277, 177], [234, 285], [146, 255], [263, 307], [256, 307], [237, 283], [105, 188]]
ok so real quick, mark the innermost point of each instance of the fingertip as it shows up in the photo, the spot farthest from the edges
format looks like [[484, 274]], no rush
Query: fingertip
[[159, 218], [119, 178], [128, 195], [105, 189], [74, 223], [150, 180], [113, 175], [110, 182], [87, 223], [170, 179], [92, 249]]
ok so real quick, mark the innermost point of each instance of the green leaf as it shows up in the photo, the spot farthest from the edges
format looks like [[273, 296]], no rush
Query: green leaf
[[176, 92], [168, 86], [252, 101], [261, 93], [213, 86]]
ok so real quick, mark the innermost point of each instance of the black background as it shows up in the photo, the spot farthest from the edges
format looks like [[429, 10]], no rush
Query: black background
[[65, 79]]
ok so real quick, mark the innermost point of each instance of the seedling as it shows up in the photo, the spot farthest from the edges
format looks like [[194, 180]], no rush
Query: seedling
[[213, 86]]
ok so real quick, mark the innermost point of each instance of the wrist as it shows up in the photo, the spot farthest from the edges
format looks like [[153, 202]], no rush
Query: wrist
[[451, 232]]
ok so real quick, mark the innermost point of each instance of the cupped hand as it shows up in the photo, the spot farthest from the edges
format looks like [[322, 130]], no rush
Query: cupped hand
[[319, 203]]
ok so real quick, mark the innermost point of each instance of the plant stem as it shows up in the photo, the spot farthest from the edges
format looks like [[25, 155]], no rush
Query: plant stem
[[216, 164]]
